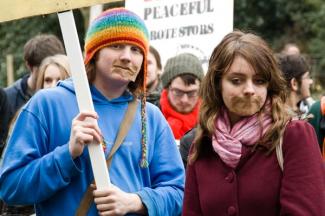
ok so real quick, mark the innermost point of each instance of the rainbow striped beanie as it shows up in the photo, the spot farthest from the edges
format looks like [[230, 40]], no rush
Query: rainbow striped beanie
[[113, 26], [120, 25]]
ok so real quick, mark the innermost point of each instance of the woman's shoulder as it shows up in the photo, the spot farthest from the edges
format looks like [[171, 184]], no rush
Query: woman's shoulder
[[298, 124], [299, 128], [299, 133]]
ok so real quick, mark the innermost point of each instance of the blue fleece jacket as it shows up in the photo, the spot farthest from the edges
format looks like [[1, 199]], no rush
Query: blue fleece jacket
[[38, 169]]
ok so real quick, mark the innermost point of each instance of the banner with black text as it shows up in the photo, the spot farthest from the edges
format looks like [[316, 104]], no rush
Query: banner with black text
[[178, 26]]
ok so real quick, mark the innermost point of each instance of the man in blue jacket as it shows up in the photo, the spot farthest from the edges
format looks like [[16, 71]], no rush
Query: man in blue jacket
[[46, 162], [35, 50]]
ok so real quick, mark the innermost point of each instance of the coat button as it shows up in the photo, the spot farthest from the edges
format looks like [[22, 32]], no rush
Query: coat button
[[232, 211], [230, 177]]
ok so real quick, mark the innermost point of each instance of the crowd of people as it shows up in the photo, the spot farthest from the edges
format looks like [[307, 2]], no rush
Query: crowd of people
[[243, 138]]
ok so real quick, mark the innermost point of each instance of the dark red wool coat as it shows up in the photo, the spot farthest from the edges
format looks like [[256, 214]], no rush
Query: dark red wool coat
[[258, 187]]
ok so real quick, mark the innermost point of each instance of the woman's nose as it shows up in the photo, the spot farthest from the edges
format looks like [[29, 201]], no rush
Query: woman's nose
[[249, 88]]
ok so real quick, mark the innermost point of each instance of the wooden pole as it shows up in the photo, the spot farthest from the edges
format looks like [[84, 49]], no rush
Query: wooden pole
[[10, 69]]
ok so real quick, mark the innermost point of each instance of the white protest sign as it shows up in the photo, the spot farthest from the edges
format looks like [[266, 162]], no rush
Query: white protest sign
[[178, 26]]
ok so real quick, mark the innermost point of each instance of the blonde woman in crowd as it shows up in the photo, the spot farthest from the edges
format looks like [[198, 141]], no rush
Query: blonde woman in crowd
[[52, 69]]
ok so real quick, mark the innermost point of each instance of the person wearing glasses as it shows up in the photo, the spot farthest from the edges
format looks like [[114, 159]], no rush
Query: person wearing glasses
[[179, 100]]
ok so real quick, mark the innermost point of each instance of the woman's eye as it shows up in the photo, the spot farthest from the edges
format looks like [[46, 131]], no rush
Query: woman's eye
[[260, 81], [235, 81], [47, 80]]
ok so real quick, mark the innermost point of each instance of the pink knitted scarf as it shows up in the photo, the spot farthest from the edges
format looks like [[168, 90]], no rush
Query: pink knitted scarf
[[227, 142]]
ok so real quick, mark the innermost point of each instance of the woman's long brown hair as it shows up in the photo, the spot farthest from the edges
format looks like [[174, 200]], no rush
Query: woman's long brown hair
[[257, 53]]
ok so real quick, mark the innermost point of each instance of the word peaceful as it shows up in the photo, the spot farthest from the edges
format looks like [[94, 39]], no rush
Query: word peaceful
[[179, 9]]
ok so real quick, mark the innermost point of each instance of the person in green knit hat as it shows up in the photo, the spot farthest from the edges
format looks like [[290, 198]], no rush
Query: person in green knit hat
[[179, 100]]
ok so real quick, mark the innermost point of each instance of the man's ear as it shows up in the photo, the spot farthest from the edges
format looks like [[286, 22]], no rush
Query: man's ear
[[28, 66], [294, 84]]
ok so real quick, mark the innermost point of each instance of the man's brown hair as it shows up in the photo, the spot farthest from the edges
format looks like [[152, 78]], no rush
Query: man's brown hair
[[40, 47]]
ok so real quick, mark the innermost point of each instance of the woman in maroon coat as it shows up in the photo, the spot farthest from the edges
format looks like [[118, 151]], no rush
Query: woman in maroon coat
[[233, 168]]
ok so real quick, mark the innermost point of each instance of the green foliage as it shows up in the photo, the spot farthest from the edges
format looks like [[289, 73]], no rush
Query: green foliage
[[14, 34], [282, 21], [277, 21]]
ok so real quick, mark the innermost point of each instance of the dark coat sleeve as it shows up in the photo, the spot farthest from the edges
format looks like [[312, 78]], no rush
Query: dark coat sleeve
[[185, 145], [5, 116]]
